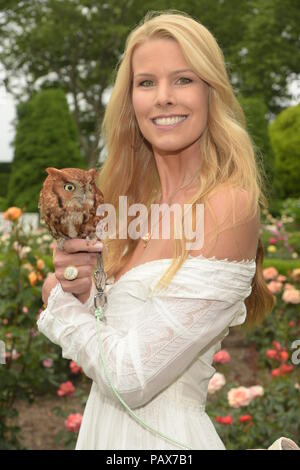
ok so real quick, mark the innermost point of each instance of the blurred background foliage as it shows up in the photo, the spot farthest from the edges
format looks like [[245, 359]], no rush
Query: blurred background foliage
[[74, 46]]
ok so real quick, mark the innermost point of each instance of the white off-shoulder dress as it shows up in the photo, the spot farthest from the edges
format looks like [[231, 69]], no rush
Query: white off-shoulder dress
[[158, 347]]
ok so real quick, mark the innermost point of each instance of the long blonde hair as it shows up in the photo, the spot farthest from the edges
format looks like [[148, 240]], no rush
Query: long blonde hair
[[228, 155]]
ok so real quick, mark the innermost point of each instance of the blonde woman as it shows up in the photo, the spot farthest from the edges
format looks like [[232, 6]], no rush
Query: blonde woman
[[175, 134]]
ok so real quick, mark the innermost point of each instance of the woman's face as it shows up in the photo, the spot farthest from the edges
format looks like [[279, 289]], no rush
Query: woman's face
[[161, 88]]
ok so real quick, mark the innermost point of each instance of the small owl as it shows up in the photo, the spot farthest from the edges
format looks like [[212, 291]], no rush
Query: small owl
[[68, 203]]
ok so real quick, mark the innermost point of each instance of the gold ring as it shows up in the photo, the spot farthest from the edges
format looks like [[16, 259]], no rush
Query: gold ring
[[70, 273]]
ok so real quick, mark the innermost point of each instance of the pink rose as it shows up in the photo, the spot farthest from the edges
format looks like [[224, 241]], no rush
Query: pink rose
[[284, 355], [47, 362], [277, 345], [25, 309], [276, 372], [222, 357], [75, 368], [272, 241], [240, 396], [73, 422], [270, 273], [288, 286], [256, 391], [216, 383], [271, 354], [291, 296], [274, 287], [66, 388], [281, 278]]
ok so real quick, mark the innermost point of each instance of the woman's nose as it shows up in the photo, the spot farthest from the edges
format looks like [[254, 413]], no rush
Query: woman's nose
[[164, 94]]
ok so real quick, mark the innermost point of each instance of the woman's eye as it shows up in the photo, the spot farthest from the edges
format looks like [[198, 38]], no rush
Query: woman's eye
[[185, 78], [145, 81], [182, 78], [69, 187]]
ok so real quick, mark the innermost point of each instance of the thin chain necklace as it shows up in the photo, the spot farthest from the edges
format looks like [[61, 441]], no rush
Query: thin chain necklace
[[147, 237]]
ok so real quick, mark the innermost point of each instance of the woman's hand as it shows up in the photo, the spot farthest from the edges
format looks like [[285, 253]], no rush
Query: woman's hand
[[75, 253]]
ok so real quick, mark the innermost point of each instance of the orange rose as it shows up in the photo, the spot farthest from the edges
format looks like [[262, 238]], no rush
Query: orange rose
[[32, 278], [13, 213], [40, 264]]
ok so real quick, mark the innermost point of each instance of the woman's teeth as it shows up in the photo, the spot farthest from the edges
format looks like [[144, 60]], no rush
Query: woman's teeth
[[169, 121]]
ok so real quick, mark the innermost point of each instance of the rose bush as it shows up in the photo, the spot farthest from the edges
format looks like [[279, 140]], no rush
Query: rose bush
[[33, 365]]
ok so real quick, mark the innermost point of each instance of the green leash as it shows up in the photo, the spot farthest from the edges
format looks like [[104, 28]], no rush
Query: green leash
[[99, 303]]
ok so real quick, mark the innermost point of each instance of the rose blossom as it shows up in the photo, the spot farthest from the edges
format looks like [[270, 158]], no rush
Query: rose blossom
[[224, 419], [240, 396], [271, 354], [245, 418], [73, 422], [274, 287], [216, 383], [222, 357], [256, 391], [288, 286], [270, 273], [281, 278], [48, 363], [75, 368], [277, 345], [284, 356], [66, 388], [291, 296], [13, 213]]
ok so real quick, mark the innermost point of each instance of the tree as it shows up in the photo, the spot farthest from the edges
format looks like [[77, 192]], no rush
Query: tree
[[285, 139], [45, 136], [257, 125], [73, 45], [270, 56]]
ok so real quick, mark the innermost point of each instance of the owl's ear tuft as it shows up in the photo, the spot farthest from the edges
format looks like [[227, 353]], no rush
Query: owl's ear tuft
[[92, 172], [53, 171]]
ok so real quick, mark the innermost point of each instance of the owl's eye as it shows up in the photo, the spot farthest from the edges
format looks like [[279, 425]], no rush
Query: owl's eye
[[69, 187]]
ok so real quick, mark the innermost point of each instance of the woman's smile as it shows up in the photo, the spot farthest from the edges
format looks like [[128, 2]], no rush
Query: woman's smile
[[169, 123]]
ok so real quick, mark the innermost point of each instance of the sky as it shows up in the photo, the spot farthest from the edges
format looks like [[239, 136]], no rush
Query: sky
[[7, 116]]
